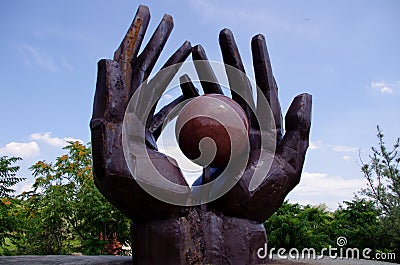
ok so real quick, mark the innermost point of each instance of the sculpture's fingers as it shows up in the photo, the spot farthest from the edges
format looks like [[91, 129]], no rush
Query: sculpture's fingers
[[291, 152], [244, 201], [114, 77], [131, 43], [159, 120], [266, 81], [294, 144], [187, 87], [298, 118], [289, 158], [150, 93], [111, 97], [112, 175], [179, 56], [208, 80], [238, 81], [144, 63]]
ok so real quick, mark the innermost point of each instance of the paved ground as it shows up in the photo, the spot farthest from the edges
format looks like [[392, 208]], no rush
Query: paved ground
[[66, 260], [126, 260]]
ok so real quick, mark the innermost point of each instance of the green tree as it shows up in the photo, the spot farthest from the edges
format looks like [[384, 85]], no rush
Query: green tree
[[8, 219], [8, 175], [358, 221], [65, 212], [382, 174], [296, 226]]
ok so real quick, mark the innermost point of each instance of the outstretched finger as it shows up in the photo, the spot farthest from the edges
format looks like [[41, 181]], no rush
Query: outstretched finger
[[283, 175], [187, 87], [110, 98], [238, 81], [130, 45], [144, 63], [158, 121], [150, 93], [266, 81], [208, 80], [294, 144]]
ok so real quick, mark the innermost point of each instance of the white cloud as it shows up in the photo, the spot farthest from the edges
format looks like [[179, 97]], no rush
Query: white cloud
[[53, 141], [23, 150], [385, 87], [346, 157], [378, 84], [33, 58], [24, 186], [66, 64], [316, 188], [315, 145], [387, 90], [343, 148]]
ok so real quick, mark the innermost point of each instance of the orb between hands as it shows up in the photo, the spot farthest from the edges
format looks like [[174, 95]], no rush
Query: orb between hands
[[212, 130]]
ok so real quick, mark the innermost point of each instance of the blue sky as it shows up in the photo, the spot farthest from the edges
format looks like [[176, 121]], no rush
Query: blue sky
[[345, 53]]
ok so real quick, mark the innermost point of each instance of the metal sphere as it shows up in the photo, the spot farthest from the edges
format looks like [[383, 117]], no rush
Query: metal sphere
[[212, 130]]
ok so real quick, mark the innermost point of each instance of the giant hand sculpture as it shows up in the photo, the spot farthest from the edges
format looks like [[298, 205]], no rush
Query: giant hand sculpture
[[229, 230]]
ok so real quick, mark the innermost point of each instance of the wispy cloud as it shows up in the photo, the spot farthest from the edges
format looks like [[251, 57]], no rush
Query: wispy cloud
[[385, 87], [23, 150], [24, 186], [317, 145], [53, 141], [32, 149], [343, 148], [36, 58], [346, 157], [378, 84], [387, 90], [317, 187], [48, 31], [65, 64], [213, 11]]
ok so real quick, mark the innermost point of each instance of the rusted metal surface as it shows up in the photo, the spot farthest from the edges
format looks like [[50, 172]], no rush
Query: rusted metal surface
[[228, 230], [130, 45], [201, 237]]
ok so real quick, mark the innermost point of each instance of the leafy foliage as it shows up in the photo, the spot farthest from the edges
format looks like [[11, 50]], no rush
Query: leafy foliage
[[65, 212], [382, 174], [8, 219], [296, 226], [8, 175], [370, 222], [359, 222]]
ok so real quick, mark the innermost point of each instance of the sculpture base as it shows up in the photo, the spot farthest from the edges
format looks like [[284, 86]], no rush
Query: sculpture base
[[201, 237]]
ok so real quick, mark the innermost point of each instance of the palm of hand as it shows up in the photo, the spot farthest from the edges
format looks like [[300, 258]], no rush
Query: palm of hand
[[119, 79]]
